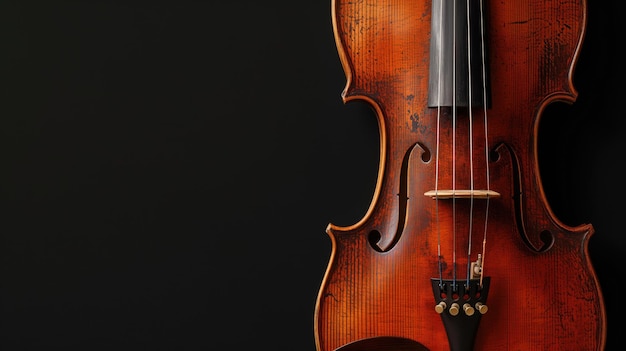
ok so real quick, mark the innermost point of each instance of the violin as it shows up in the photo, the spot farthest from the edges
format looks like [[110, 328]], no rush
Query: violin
[[459, 249]]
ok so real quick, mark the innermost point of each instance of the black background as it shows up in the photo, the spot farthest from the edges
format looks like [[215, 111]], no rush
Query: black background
[[168, 169]]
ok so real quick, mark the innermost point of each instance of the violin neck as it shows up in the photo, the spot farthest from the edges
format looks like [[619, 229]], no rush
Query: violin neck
[[458, 67]]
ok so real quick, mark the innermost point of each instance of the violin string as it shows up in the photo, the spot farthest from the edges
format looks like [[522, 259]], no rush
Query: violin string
[[484, 87], [471, 144], [439, 69], [454, 145]]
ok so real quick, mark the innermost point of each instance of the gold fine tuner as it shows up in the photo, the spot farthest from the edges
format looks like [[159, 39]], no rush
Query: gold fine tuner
[[481, 308], [454, 309], [440, 307], [468, 309]]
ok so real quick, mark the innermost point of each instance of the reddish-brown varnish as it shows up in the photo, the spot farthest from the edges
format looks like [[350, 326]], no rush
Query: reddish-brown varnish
[[459, 214]]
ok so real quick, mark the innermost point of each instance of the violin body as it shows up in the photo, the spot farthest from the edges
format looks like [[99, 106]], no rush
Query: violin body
[[412, 250]]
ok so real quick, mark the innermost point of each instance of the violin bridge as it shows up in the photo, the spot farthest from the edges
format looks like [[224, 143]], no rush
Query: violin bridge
[[461, 194]]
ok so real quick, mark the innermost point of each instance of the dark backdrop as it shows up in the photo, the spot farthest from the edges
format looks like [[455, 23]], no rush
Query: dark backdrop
[[168, 169]]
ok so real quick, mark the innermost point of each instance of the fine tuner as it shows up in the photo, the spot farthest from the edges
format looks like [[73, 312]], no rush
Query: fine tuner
[[467, 308]]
